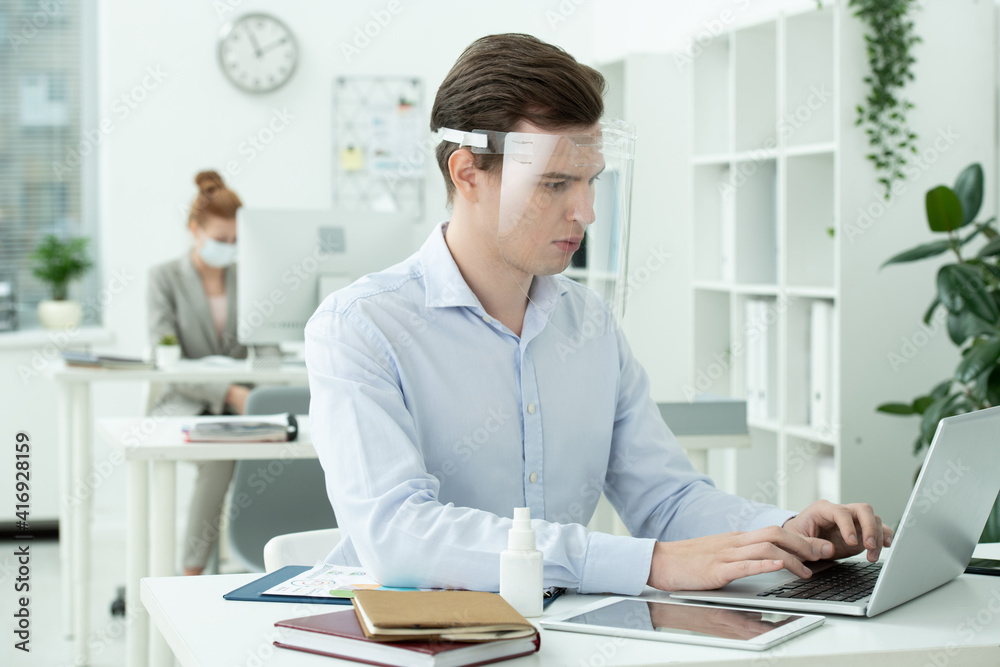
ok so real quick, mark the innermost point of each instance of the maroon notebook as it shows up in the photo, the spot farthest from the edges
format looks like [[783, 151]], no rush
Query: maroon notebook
[[338, 635]]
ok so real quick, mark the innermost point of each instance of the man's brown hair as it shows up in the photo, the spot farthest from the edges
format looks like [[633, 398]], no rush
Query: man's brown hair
[[501, 80]]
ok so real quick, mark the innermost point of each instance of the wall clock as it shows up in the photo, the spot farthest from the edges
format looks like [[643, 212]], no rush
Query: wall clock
[[257, 52]]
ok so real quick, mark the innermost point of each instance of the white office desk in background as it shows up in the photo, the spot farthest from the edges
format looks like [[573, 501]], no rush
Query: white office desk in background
[[151, 510], [76, 459], [206, 631]]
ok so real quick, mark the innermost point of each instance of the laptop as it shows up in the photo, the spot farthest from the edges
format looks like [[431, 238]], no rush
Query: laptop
[[941, 525]]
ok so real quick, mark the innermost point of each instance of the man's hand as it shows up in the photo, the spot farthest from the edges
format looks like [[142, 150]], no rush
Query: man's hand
[[711, 562], [841, 525]]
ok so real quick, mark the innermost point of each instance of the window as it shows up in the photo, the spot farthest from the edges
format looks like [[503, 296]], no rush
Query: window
[[47, 174]]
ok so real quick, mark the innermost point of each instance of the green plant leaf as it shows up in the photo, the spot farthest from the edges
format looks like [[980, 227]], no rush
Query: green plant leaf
[[921, 404], [990, 249], [969, 189], [896, 409], [963, 326], [986, 266], [979, 359], [941, 389], [946, 406], [944, 210], [980, 228], [920, 252], [993, 387], [930, 310], [956, 329], [961, 288]]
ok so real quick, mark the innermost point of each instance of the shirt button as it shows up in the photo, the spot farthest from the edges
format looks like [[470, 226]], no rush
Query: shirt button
[[533, 477], [531, 411], [486, 318]]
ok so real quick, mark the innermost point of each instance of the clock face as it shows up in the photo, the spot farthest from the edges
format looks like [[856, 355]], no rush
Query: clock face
[[258, 52]]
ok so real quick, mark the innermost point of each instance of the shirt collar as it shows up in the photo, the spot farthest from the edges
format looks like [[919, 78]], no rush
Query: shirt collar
[[443, 282], [445, 286]]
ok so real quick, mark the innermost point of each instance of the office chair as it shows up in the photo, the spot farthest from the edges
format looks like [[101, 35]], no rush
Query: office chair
[[288, 496], [299, 548]]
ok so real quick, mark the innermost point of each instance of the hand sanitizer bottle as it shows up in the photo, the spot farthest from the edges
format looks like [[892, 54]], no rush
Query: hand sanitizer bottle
[[521, 567]]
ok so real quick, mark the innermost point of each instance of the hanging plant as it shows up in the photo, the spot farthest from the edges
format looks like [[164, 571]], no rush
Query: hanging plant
[[889, 41]]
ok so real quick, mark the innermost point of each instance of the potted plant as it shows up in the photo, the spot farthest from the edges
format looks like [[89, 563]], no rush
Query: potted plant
[[168, 352], [969, 290], [58, 262]]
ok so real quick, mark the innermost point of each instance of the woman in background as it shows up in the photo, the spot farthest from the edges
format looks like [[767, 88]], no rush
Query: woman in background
[[194, 298]]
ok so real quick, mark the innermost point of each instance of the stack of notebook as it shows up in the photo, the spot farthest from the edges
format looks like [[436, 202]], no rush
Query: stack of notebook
[[276, 428], [432, 628], [87, 360]]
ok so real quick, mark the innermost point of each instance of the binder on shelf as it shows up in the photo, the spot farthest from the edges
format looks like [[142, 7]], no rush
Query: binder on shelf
[[764, 379], [752, 334], [760, 346], [727, 235], [820, 366]]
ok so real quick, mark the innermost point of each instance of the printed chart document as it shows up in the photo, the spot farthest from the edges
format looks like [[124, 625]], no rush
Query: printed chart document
[[327, 580]]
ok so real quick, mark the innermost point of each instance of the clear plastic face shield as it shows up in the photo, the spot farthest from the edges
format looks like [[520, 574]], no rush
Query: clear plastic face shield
[[564, 207]]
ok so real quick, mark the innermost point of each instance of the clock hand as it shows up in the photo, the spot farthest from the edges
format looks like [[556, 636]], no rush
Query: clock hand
[[253, 42], [272, 45]]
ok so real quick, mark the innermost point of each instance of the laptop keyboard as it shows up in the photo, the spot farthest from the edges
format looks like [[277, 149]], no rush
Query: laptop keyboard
[[843, 582]]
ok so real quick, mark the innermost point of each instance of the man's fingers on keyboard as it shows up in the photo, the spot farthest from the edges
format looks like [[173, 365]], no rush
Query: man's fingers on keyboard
[[767, 551], [805, 548], [844, 519], [747, 568]]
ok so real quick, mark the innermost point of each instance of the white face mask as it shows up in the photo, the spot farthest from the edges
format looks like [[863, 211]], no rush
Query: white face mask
[[218, 254]]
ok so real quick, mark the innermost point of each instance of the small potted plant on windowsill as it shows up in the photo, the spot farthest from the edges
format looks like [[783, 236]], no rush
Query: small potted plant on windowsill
[[57, 263], [168, 352]]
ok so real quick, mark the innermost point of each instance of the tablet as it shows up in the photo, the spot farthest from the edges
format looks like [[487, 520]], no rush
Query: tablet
[[686, 623]]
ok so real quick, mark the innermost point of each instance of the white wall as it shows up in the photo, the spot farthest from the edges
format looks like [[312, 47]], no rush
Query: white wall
[[671, 26]]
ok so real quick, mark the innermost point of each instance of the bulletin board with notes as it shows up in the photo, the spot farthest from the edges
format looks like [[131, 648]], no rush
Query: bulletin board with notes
[[381, 144]]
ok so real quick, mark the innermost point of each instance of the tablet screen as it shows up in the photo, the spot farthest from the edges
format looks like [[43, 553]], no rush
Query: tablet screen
[[684, 619]]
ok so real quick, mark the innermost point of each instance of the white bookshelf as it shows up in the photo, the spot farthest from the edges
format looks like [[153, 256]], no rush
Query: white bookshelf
[[778, 170]]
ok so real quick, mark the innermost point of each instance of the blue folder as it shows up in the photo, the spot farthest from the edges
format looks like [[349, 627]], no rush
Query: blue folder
[[252, 592]]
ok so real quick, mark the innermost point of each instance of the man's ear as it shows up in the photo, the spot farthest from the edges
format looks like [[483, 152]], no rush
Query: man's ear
[[463, 172]]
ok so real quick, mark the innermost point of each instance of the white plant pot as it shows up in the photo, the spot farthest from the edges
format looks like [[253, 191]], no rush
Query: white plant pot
[[59, 314], [167, 356]]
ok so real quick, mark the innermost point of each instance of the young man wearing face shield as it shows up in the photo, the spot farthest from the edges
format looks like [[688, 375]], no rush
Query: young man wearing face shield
[[472, 378]]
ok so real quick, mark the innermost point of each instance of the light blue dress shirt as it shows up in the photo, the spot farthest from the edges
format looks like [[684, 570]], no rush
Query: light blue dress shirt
[[433, 421]]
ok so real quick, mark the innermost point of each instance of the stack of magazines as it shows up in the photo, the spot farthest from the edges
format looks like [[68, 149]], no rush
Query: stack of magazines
[[87, 360], [271, 428]]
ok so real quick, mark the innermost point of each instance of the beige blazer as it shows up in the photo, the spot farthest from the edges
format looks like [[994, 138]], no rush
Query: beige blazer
[[178, 305]]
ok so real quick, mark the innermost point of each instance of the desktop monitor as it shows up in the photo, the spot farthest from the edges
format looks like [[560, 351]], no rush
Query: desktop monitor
[[289, 261]]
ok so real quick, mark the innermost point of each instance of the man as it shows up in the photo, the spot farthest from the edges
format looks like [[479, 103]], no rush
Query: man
[[472, 378]]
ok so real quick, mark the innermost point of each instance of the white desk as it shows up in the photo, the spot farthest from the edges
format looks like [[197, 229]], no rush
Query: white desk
[[76, 454], [206, 631], [151, 508]]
